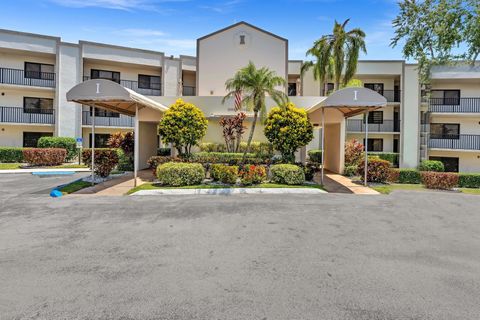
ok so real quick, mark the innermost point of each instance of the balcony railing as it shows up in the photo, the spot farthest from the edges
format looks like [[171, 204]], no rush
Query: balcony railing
[[455, 105], [120, 121], [27, 78], [133, 85], [189, 91], [455, 141], [21, 115], [358, 125]]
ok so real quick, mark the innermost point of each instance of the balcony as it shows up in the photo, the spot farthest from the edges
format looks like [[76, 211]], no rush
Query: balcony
[[392, 95], [189, 91], [120, 121], [27, 78], [358, 125], [21, 115], [454, 105], [133, 85], [455, 142]]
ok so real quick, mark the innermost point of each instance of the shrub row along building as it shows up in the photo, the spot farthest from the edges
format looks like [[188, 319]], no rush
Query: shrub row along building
[[36, 72]]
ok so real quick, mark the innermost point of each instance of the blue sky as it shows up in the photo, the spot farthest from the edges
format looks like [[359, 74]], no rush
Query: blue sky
[[172, 26]]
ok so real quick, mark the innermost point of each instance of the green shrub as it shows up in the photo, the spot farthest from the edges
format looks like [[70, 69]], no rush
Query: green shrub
[[11, 154], [391, 157], [212, 147], [106, 160], [252, 174], [315, 155], [393, 175], [224, 173], [66, 143], [226, 158], [44, 156], [155, 161], [258, 148], [179, 174], [469, 180], [164, 152], [287, 174], [410, 176], [431, 165], [310, 169], [439, 180], [377, 171], [350, 171], [125, 161]]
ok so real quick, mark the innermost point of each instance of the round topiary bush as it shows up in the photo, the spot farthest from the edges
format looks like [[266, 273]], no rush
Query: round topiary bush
[[287, 174], [431, 165], [177, 174]]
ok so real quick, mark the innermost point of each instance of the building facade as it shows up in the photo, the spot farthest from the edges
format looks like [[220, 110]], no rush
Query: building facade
[[37, 71]]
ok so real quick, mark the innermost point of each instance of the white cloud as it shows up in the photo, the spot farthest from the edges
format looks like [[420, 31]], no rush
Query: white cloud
[[127, 5], [141, 33], [222, 7]]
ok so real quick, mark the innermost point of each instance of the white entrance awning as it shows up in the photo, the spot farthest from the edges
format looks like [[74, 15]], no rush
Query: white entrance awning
[[354, 100]]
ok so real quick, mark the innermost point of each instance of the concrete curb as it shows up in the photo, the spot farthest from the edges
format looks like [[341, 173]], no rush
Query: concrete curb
[[228, 191], [45, 170]]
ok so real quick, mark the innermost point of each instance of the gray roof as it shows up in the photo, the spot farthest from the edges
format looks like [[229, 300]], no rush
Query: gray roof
[[354, 100]]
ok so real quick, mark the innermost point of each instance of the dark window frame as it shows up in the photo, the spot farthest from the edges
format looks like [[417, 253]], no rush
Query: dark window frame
[[112, 78], [98, 136], [99, 112], [39, 111], [292, 85], [372, 119], [372, 85], [448, 166], [42, 75], [449, 101], [371, 144], [38, 136], [140, 84], [445, 134]]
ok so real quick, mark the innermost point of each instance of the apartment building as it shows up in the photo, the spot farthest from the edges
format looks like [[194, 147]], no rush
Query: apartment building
[[37, 71]]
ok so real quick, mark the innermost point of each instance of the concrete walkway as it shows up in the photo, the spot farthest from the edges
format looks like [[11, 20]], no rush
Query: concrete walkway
[[337, 183], [45, 170], [118, 186]]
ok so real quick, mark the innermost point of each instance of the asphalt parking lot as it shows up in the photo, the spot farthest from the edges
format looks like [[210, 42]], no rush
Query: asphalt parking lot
[[408, 255]]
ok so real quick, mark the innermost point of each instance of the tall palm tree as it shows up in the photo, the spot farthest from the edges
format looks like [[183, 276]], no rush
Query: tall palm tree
[[254, 84], [335, 54]]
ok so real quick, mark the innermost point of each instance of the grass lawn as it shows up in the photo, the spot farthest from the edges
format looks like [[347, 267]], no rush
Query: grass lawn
[[152, 186], [10, 166], [387, 189], [74, 186], [470, 191]]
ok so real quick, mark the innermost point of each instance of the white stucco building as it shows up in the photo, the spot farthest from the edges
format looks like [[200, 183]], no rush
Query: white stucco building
[[37, 71]]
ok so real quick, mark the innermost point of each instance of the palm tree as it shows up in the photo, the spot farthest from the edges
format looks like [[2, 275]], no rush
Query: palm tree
[[254, 84], [335, 53]]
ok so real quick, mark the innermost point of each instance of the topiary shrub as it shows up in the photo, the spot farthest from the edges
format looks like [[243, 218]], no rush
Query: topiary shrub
[[177, 174], [155, 161], [350, 171], [431, 165], [11, 154], [287, 174], [378, 170], [251, 174], [224, 173], [67, 143], [105, 160], [315, 155], [469, 180], [439, 180], [410, 176], [44, 157]]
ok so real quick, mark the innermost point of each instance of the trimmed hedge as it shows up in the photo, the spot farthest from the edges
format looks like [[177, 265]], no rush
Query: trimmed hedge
[[256, 147], [105, 160], [66, 143], [391, 157], [177, 174], [431, 165], [155, 161], [44, 156], [410, 176], [226, 158], [223, 173], [287, 174], [11, 154], [469, 180], [315, 155], [378, 170], [439, 180], [252, 174], [212, 147]]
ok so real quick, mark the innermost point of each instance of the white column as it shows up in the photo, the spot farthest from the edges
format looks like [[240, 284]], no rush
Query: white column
[[323, 143], [136, 148], [366, 149], [93, 144]]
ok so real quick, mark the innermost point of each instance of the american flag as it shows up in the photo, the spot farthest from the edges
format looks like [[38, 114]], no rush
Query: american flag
[[238, 100]]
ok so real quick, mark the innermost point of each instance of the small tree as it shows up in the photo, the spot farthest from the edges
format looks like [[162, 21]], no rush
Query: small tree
[[233, 129], [353, 153], [183, 125], [288, 129]]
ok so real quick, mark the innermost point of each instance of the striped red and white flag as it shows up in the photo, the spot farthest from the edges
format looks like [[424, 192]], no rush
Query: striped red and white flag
[[238, 100]]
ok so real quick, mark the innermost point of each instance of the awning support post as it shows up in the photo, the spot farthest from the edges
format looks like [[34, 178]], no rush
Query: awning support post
[[366, 150], [93, 144], [323, 144], [136, 147]]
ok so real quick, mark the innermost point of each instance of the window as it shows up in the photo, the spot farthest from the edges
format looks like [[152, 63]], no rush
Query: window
[[375, 117], [444, 130], [101, 140], [395, 145], [292, 89], [105, 74], [148, 82], [375, 145], [378, 87], [446, 97], [450, 164], [30, 139], [330, 87], [104, 113], [242, 39], [37, 105], [39, 71]]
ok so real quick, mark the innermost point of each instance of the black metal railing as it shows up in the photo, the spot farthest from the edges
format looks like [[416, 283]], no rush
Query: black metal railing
[[455, 141], [454, 105], [189, 91], [27, 78], [120, 121], [358, 125], [133, 85], [392, 95], [21, 115]]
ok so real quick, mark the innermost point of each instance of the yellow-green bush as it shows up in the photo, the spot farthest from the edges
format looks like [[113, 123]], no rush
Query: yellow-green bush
[[179, 174], [287, 174]]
